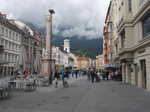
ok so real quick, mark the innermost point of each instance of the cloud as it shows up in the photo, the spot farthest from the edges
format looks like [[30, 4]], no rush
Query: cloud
[[83, 18]]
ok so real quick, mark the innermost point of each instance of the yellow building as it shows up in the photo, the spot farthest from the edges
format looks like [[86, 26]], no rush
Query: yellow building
[[83, 62], [99, 62]]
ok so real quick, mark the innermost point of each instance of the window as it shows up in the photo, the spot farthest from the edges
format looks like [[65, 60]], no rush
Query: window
[[6, 45], [116, 48], [2, 41], [9, 44], [111, 27], [6, 56], [2, 30], [130, 5], [10, 34], [146, 26], [6, 32], [12, 46], [13, 36], [122, 3], [123, 40]]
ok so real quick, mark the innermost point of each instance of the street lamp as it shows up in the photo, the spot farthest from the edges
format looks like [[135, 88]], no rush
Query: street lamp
[[51, 11], [49, 44]]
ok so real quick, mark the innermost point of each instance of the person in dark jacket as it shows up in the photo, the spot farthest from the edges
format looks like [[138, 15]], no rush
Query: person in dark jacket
[[67, 74], [107, 74], [76, 73], [92, 75], [89, 74], [57, 77]]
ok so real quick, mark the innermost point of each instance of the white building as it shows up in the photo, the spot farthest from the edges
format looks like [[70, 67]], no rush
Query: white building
[[10, 39], [67, 45], [60, 56]]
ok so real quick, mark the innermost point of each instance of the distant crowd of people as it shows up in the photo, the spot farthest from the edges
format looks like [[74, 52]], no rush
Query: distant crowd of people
[[94, 75]]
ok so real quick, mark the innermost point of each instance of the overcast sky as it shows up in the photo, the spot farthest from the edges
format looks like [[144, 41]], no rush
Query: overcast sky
[[72, 18]]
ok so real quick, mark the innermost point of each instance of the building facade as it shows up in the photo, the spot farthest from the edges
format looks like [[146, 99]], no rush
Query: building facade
[[61, 59], [99, 62], [105, 45], [31, 49], [10, 39], [83, 62], [131, 40], [22, 48]]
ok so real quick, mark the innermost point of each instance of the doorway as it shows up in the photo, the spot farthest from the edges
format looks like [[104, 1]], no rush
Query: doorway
[[143, 71]]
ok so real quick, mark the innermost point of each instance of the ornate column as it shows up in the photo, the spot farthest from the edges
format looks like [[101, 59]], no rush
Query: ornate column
[[49, 44]]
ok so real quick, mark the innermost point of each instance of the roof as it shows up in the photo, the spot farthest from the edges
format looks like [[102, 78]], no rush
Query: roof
[[108, 11], [6, 22]]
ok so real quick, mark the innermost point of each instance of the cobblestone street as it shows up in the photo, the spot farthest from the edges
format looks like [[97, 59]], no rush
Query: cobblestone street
[[81, 96]]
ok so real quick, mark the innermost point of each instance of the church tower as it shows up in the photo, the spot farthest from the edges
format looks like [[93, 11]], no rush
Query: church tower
[[67, 45]]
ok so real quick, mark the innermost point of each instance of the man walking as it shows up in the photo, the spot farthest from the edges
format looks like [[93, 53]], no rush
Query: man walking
[[63, 77], [56, 76], [76, 73], [89, 74], [92, 75]]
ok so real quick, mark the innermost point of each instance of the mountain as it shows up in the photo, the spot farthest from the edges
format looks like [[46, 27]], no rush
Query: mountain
[[81, 46], [33, 26]]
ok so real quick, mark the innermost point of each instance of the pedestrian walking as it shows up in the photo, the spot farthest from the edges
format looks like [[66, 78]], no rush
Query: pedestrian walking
[[64, 82], [97, 76], [57, 77], [72, 73], [62, 77], [93, 75], [25, 74], [67, 74], [106, 74], [110, 75], [76, 74], [89, 74]]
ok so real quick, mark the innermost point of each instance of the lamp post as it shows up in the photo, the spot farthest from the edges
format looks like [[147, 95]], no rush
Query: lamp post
[[49, 43]]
